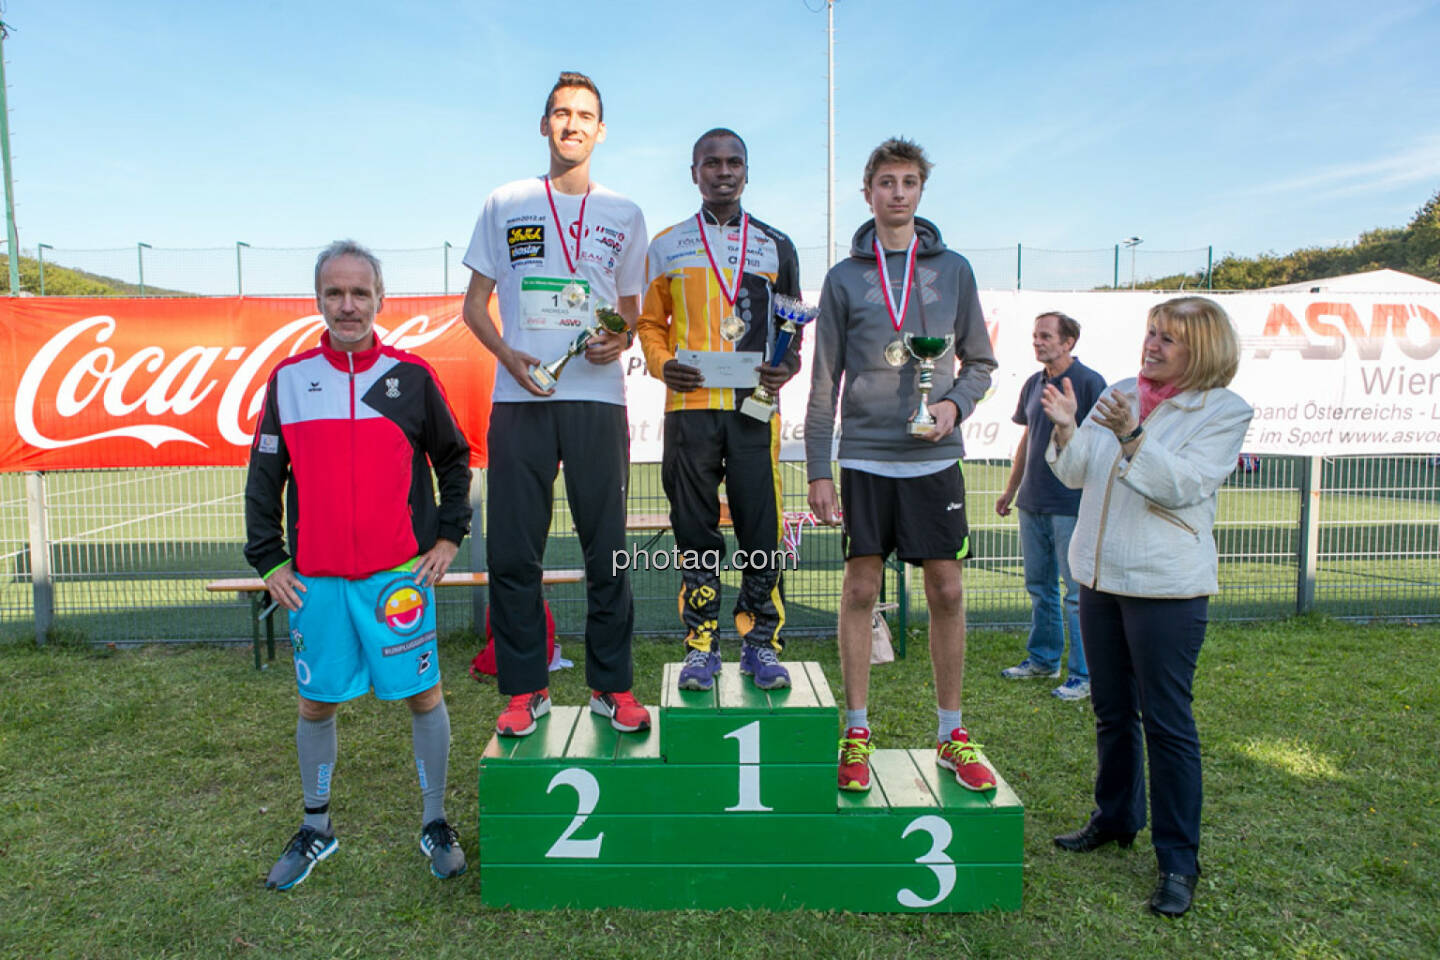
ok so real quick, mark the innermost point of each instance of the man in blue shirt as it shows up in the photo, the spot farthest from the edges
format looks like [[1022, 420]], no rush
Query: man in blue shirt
[[1047, 511]]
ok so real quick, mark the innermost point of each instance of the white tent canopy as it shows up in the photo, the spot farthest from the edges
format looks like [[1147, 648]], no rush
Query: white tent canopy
[[1371, 281]]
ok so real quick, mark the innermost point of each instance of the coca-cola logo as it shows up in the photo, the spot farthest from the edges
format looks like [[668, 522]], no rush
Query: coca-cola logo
[[135, 390]]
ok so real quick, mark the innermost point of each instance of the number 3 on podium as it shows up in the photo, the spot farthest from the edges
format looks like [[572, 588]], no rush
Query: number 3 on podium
[[935, 858]]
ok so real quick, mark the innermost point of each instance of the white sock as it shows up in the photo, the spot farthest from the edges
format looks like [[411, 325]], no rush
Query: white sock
[[949, 720]]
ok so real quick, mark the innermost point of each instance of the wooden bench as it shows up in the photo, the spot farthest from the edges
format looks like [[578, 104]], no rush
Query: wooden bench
[[657, 523], [259, 597]]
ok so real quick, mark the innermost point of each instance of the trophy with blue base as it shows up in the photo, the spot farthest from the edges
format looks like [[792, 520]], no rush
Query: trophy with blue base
[[793, 313], [607, 319], [925, 350]]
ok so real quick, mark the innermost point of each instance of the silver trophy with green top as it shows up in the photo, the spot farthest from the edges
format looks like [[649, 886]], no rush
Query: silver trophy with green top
[[794, 313], [607, 319], [925, 350]]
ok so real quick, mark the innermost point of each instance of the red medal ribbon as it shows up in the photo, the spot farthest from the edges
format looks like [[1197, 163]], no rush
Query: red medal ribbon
[[734, 291], [580, 227], [897, 320]]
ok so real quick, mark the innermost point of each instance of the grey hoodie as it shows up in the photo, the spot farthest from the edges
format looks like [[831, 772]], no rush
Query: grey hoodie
[[850, 337]]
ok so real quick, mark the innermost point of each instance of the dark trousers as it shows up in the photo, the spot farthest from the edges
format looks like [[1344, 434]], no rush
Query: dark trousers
[[527, 443], [702, 448], [1142, 654]]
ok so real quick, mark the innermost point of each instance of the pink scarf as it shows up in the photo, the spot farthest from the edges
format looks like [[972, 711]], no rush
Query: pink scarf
[[1151, 393]]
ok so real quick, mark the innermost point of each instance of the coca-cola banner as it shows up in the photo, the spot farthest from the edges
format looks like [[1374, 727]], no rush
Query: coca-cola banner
[[103, 382], [95, 383]]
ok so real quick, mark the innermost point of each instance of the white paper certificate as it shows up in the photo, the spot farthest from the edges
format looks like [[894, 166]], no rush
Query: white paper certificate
[[729, 369]]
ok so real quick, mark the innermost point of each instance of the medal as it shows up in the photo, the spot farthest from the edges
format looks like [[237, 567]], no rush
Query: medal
[[895, 353], [565, 247], [732, 326], [574, 295]]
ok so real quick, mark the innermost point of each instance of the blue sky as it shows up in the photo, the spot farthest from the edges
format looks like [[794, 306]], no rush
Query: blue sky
[[1248, 125]]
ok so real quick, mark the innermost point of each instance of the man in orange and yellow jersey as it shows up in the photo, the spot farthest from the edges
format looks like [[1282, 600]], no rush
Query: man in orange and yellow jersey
[[708, 327]]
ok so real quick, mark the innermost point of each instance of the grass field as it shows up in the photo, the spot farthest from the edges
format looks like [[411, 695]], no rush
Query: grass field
[[132, 549], [144, 793]]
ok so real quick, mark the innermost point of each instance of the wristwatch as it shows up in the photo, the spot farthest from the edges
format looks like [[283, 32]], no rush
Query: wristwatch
[[1132, 434]]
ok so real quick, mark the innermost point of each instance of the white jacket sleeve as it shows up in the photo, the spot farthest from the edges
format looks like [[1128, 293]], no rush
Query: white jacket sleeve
[[1089, 444], [1191, 471], [1071, 464]]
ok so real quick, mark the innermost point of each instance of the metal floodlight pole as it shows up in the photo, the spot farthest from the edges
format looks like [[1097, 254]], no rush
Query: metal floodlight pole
[[1132, 243], [446, 252], [1115, 282], [1209, 267], [239, 276], [1017, 265], [40, 256], [140, 248], [830, 136], [10, 232]]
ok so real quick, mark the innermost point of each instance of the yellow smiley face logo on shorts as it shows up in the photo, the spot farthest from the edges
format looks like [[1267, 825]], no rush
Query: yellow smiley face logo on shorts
[[401, 607]]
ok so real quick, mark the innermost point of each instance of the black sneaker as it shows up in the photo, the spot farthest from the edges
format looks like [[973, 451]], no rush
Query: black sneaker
[[440, 842], [307, 848]]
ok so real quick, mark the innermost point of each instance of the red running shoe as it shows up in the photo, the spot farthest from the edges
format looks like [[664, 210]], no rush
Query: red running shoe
[[518, 719], [965, 758], [625, 712], [855, 750]]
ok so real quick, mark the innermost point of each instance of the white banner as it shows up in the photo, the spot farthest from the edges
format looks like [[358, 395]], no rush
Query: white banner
[[1327, 374]]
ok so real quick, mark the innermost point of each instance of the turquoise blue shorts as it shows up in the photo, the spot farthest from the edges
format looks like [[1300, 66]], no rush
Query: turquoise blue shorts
[[352, 636]]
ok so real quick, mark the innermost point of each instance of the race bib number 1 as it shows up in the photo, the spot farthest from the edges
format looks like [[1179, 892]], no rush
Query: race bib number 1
[[550, 303]]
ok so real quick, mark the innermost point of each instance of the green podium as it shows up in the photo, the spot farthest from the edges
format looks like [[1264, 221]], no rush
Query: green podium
[[730, 801]]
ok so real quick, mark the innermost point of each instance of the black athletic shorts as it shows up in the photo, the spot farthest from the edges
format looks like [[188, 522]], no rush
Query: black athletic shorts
[[917, 518]]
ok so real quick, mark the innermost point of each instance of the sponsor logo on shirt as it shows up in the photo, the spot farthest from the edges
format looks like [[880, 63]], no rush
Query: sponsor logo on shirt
[[606, 263], [526, 242]]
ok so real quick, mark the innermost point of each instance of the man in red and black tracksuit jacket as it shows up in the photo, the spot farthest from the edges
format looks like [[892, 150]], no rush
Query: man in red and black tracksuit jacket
[[345, 446]]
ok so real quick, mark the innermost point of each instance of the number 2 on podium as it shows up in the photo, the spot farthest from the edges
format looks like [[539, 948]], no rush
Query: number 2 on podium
[[587, 795]]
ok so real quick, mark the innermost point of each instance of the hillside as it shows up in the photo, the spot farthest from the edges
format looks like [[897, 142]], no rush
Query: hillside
[[66, 282], [1413, 248]]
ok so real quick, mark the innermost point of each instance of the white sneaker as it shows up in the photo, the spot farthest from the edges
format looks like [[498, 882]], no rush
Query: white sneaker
[[1028, 669], [1072, 689]]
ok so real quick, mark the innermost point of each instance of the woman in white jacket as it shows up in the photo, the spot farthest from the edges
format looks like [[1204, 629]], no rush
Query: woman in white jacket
[[1149, 462]]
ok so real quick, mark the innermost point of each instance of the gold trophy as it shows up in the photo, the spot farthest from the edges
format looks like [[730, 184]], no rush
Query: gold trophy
[[926, 350], [793, 314], [606, 319]]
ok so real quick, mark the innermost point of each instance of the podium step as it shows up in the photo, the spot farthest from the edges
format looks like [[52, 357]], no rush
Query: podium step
[[708, 726], [730, 801], [862, 888], [629, 773]]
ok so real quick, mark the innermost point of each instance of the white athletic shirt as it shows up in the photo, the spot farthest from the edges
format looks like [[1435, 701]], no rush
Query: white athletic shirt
[[516, 243]]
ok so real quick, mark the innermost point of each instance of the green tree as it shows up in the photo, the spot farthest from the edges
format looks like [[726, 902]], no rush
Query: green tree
[[1414, 248]]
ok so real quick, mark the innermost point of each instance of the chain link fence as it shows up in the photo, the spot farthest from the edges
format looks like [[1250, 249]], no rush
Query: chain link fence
[[287, 271], [129, 551]]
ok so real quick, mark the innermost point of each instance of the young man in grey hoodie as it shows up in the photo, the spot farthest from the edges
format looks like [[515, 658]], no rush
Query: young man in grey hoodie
[[902, 492]]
